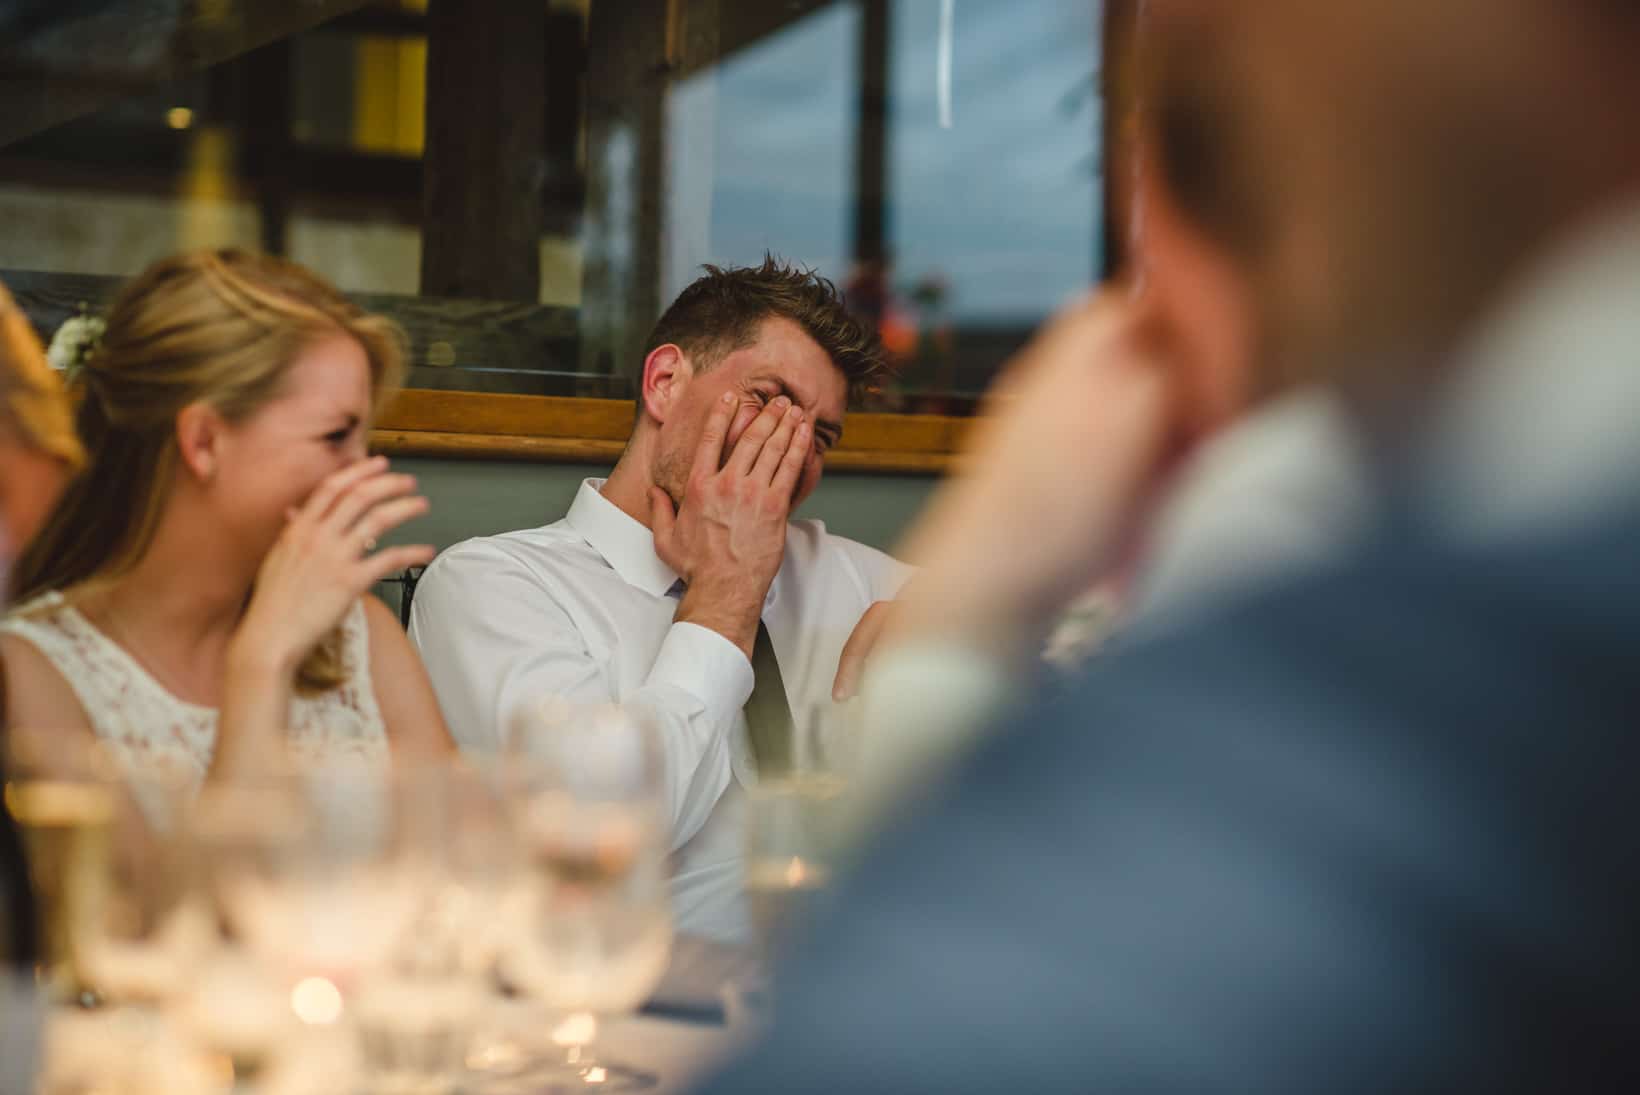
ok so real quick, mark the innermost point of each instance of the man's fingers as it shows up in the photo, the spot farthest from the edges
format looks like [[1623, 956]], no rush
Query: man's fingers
[[750, 445], [793, 460], [709, 454], [851, 664], [777, 446]]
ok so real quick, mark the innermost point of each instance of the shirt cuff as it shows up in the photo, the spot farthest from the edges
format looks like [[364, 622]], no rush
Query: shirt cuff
[[699, 661]]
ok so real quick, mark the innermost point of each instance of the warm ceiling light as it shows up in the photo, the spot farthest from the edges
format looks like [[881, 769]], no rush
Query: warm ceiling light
[[179, 117]]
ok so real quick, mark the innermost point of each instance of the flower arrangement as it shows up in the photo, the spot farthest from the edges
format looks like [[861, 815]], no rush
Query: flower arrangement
[[74, 343]]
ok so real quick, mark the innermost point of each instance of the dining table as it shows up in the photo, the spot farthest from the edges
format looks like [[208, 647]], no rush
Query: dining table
[[692, 1022]]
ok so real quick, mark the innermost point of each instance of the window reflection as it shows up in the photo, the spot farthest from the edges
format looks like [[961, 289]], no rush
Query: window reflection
[[938, 158]]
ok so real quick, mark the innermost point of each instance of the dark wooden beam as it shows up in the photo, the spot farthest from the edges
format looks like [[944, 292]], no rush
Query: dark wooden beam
[[743, 23], [266, 138], [871, 136], [484, 163], [79, 56], [1118, 49]]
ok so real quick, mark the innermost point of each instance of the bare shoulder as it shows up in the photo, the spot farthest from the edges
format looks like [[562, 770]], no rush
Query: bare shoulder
[[37, 695]]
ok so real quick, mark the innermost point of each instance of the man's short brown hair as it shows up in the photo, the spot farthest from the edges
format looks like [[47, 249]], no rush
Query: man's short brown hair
[[722, 312]]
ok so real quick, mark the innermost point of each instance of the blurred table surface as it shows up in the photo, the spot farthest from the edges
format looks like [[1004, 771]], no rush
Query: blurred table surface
[[678, 1037]]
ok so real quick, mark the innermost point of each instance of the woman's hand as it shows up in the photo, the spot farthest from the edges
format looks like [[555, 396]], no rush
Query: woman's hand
[[324, 561]]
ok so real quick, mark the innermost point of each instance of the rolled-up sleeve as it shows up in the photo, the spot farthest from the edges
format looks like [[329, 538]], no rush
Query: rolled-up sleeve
[[493, 636]]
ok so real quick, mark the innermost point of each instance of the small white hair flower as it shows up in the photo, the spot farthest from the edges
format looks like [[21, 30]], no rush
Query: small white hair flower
[[74, 343]]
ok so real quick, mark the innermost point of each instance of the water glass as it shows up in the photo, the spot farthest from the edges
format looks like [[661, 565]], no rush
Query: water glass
[[597, 935]]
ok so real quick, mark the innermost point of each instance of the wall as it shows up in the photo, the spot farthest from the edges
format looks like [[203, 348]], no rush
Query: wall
[[477, 498]]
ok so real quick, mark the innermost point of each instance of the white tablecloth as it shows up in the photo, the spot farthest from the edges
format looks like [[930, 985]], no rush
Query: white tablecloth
[[83, 1049]]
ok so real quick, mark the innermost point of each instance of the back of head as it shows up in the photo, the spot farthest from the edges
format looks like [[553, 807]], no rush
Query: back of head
[[215, 327], [1412, 157], [34, 410], [723, 311]]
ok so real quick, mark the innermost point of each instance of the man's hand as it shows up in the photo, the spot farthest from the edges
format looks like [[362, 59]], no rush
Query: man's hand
[[727, 538], [851, 665], [1078, 434]]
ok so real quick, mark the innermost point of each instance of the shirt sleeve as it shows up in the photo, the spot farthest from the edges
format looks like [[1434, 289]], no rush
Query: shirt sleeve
[[884, 575], [493, 636]]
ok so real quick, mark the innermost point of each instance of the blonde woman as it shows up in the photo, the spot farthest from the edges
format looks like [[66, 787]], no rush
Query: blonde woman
[[198, 598]]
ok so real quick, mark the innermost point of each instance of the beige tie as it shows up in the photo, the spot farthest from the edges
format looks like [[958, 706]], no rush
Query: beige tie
[[768, 712]]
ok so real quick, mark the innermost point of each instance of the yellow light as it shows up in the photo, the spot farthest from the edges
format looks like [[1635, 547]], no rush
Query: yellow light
[[316, 1001], [796, 872], [596, 1075], [577, 1029], [179, 117]]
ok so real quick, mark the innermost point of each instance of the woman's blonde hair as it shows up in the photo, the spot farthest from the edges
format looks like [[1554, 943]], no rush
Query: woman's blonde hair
[[214, 327], [34, 408]]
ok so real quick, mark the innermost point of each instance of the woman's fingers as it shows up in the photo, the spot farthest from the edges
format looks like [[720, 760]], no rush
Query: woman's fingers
[[385, 517], [325, 495], [365, 495], [373, 568]]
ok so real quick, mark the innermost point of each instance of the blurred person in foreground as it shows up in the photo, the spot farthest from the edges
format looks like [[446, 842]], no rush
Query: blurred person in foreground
[[1260, 474], [1373, 830], [38, 452], [680, 585], [197, 600]]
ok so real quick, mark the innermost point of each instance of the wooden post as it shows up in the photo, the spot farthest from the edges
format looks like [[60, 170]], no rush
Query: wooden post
[[871, 156], [1119, 116], [484, 163], [267, 137]]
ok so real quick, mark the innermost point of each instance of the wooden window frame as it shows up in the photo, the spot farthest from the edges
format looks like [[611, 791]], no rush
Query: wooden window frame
[[562, 429]]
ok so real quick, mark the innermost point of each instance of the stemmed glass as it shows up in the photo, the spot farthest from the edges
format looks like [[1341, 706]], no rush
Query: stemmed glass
[[319, 872], [586, 785], [423, 1014]]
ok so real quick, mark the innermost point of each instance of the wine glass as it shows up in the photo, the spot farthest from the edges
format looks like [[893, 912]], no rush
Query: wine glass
[[422, 1014], [318, 871], [586, 784]]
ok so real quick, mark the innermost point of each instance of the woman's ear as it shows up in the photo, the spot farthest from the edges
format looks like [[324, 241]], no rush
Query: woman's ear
[[199, 440], [666, 372]]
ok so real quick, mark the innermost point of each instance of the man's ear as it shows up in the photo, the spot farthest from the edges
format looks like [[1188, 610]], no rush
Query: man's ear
[[666, 372], [199, 440]]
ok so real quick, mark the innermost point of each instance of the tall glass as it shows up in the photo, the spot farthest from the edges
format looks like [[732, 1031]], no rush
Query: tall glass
[[598, 934], [426, 1016], [61, 793], [796, 825]]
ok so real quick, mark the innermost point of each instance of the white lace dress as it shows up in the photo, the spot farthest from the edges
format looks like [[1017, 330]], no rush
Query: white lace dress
[[151, 733]]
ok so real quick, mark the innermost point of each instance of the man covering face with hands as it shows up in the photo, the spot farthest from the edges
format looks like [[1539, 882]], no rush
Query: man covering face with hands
[[681, 585]]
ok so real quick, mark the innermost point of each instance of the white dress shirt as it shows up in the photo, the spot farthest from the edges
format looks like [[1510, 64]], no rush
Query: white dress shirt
[[583, 608]]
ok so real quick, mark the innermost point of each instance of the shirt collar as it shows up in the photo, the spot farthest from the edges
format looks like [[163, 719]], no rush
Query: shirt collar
[[1538, 421], [626, 545]]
